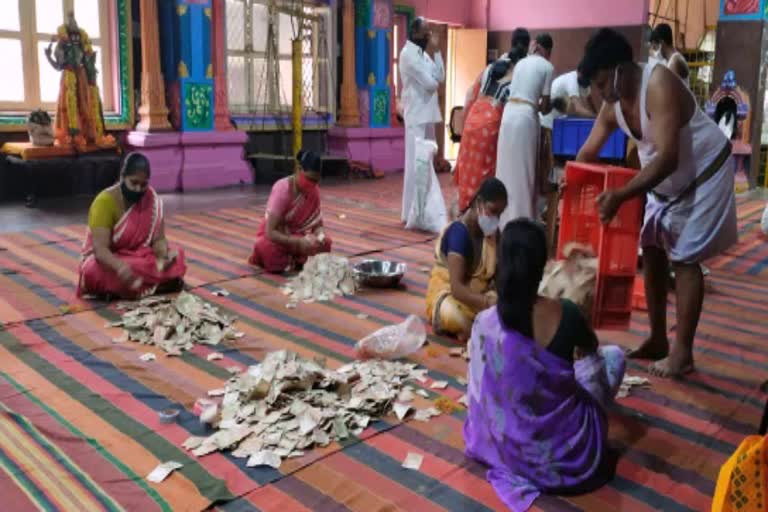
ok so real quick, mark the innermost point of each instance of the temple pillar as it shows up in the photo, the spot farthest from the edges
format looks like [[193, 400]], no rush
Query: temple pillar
[[349, 114], [153, 111], [221, 120], [201, 153], [374, 143]]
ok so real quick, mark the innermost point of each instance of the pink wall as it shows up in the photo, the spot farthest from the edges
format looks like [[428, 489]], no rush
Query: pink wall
[[453, 12], [532, 14], [555, 14]]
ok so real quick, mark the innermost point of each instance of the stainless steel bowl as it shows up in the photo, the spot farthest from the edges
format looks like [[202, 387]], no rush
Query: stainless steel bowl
[[379, 273]]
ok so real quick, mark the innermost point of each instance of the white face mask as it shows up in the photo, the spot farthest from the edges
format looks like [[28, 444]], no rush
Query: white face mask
[[488, 224]]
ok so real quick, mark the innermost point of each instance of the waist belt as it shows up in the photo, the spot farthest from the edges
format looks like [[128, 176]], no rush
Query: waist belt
[[523, 102], [702, 178]]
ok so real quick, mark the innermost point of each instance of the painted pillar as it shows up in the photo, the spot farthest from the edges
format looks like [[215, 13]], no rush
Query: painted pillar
[[186, 32], [196, 155], [373, 39], [221, 96], [153, 112], [349, 114]]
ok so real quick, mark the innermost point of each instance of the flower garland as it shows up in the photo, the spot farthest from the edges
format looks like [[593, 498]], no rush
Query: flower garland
[[70, 84]]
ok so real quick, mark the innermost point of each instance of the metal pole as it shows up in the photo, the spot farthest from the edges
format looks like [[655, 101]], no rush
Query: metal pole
[[298, 108]]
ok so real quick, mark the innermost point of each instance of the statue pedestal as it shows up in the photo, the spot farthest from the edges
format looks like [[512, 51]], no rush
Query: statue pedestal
[[193, 161], [382, 148]]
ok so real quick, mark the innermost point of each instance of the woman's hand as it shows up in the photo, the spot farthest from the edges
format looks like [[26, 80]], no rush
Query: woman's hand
[[491, 299], [126, 275], [307, 245], [166, 260]]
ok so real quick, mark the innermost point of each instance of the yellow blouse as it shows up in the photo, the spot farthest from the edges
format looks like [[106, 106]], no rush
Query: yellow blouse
[[104, 212]]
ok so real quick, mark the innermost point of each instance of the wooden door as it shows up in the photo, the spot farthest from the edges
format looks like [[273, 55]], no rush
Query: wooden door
[[440, 31], [466, 52]]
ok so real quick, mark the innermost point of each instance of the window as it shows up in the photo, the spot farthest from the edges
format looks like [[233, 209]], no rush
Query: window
[[259, 62], [26, 29]]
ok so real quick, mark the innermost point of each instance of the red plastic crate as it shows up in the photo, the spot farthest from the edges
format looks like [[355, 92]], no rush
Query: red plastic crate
[[615, 244], [638, 295]]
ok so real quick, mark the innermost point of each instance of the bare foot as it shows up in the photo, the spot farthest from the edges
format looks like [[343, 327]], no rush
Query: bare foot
[[673, 367], [653, 349]]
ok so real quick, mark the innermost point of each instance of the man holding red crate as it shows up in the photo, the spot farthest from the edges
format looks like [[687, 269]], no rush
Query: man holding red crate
[[687, 176]]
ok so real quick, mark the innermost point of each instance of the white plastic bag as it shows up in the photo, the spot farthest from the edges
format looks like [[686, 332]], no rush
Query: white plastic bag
[[764, 221], [428, 211], [393, 341]]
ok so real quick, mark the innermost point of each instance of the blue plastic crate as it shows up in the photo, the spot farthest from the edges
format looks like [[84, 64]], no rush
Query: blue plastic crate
[[570, 133]]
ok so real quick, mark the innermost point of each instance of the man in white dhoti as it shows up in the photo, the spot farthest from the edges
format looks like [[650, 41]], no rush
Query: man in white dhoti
[[688, 176], [421, 76], [663, 49], [517, 155]]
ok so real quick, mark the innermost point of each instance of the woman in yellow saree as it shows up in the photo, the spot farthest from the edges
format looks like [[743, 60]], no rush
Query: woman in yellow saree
[[741, 486], [461, 284]]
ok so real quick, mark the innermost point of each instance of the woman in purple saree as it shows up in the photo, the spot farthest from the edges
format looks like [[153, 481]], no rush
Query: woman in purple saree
[[536, 414]]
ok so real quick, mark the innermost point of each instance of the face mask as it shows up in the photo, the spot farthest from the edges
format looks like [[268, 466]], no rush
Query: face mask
[[421, 42], [131, 196], [488, 224], [305, 184]]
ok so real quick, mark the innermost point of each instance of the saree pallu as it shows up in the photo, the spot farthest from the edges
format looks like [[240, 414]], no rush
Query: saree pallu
[[477, 153], [537, 421], [132, 239], [302, 217], [741, 485], [446, 314]]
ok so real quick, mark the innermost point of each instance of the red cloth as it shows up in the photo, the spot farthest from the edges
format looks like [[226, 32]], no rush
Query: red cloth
[[299, 215], [132, 239], [477, 154]]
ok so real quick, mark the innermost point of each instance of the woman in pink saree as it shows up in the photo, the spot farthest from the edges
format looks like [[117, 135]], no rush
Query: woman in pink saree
[[292, 229], [539, 384], [125, 254]]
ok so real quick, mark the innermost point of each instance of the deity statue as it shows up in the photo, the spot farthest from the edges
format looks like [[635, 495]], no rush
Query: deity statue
[[79, 116]]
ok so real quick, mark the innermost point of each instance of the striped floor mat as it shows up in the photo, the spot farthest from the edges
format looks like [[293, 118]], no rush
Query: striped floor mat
[[79, 428]]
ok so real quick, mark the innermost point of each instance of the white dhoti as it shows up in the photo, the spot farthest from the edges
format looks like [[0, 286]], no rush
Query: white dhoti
[[413, 132], [517, 160], [699, 226]]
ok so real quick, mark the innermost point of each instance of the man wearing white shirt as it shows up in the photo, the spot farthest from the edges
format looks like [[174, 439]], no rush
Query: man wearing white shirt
[[570, 97], [421, 76], [517, 160]]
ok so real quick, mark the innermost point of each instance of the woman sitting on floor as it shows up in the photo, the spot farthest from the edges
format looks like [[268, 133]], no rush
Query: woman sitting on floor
[[536, 417], [126, 255], [461, 284], [292, 229]]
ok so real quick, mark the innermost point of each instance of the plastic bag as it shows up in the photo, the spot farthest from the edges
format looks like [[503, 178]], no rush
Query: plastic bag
[[393, 341], [573, 278], [764, 221], [428, 211]]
